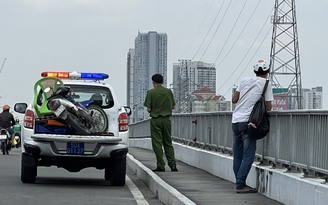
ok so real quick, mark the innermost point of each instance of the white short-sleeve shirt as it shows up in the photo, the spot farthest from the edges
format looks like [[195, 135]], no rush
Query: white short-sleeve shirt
[[247, 99]]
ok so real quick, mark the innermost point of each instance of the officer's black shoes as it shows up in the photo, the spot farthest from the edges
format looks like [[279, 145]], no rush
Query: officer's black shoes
[[159, 170], [174, 168]]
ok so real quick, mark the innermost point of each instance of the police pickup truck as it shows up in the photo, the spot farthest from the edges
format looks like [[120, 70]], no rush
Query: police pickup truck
[[47, 143]]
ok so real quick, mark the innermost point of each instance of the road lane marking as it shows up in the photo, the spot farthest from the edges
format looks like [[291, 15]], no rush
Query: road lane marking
[[136, 192]]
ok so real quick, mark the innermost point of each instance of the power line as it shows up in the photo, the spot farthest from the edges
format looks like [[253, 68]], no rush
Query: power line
[[232, 29], [217, 28], [258, 48], [242, 31], [246, 67], [246, 56], [217, 14], [257, 36], [198, 30], [3, 63], [228, 8]]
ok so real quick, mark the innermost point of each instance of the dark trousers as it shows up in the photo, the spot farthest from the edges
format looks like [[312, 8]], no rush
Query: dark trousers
[[160, 129]]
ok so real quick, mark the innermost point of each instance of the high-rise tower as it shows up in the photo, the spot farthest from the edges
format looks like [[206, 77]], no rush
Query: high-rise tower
[[285, 71], [150, 57]]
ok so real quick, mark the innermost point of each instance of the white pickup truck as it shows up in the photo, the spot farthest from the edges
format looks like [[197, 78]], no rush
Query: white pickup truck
[[45, 143]]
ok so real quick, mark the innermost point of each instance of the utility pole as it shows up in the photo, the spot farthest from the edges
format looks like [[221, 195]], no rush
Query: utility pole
[[285, 72], [3, 63]]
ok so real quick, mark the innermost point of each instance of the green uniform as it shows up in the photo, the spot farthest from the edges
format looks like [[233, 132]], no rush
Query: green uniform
[[161, 102]]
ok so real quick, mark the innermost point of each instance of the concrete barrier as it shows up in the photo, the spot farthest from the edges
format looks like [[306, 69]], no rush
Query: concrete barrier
[[164, 192], [278, 184]]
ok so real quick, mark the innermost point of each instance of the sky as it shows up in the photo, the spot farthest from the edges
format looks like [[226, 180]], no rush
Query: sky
[[95, 36]]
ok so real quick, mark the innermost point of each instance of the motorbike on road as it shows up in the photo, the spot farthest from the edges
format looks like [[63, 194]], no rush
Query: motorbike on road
[[5, 141], [17, 134], [17, 138]]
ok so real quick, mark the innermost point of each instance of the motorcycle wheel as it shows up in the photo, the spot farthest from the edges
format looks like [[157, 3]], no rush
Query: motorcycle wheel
[[9, 146], [76, 123], [7, 149], [18, 144], [3, 147], [99, 118]]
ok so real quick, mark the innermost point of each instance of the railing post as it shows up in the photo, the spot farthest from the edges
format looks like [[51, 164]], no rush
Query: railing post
[[195, 137], [209, 129]]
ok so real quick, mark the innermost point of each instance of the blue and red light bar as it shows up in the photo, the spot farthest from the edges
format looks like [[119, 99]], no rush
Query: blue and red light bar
[[76, 75]]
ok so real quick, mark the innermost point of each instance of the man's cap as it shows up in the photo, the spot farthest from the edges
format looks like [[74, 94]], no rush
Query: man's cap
[[260, 65]]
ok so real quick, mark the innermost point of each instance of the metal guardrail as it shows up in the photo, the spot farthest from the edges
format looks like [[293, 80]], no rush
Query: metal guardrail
[[297, 139]]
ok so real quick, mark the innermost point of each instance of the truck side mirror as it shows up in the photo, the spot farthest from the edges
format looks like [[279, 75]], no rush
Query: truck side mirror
[[128, 110], [20, 107]]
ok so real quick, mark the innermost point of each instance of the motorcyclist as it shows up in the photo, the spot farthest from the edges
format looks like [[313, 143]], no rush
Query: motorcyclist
[[7, 120]]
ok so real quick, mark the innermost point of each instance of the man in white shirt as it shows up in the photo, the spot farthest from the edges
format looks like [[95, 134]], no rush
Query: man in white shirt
[[244, 146]]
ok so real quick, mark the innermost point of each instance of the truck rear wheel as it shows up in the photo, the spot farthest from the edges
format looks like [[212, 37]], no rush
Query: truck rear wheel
[[117, 172], [108, 173], [28, 168]]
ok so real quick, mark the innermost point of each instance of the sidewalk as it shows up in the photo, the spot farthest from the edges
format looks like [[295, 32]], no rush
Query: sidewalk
[[199, 186]]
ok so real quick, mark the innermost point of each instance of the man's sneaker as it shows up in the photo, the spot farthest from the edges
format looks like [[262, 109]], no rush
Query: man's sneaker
[[159, 169], [246, 190], [174, 168]]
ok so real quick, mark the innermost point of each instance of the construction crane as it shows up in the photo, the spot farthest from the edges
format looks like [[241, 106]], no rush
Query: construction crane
[[3, 63]]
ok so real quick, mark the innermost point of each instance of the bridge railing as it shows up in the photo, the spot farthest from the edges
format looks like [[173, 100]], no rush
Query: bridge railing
[[297, 139]]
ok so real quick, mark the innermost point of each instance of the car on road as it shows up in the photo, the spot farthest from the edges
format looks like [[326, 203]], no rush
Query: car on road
[[47, 142]]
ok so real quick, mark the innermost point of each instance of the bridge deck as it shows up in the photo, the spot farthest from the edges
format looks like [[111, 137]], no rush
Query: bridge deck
[[198, 185]]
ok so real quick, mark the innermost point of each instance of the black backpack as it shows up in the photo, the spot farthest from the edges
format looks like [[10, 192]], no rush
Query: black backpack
[[260, 117]]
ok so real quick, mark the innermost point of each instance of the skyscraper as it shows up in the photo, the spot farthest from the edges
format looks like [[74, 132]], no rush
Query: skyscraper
[[149, 57], [189, 76]]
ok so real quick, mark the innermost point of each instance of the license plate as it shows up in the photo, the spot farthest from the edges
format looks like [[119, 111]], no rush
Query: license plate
[[59, 110], [75, 148], [3, 137]]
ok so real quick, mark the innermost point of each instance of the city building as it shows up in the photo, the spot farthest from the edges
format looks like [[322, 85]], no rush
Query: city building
[[189, 76], [312, 98], [205, 100], [148, 57]]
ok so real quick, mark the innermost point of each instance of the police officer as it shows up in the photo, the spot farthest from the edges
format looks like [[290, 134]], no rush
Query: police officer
[[160, 102]]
